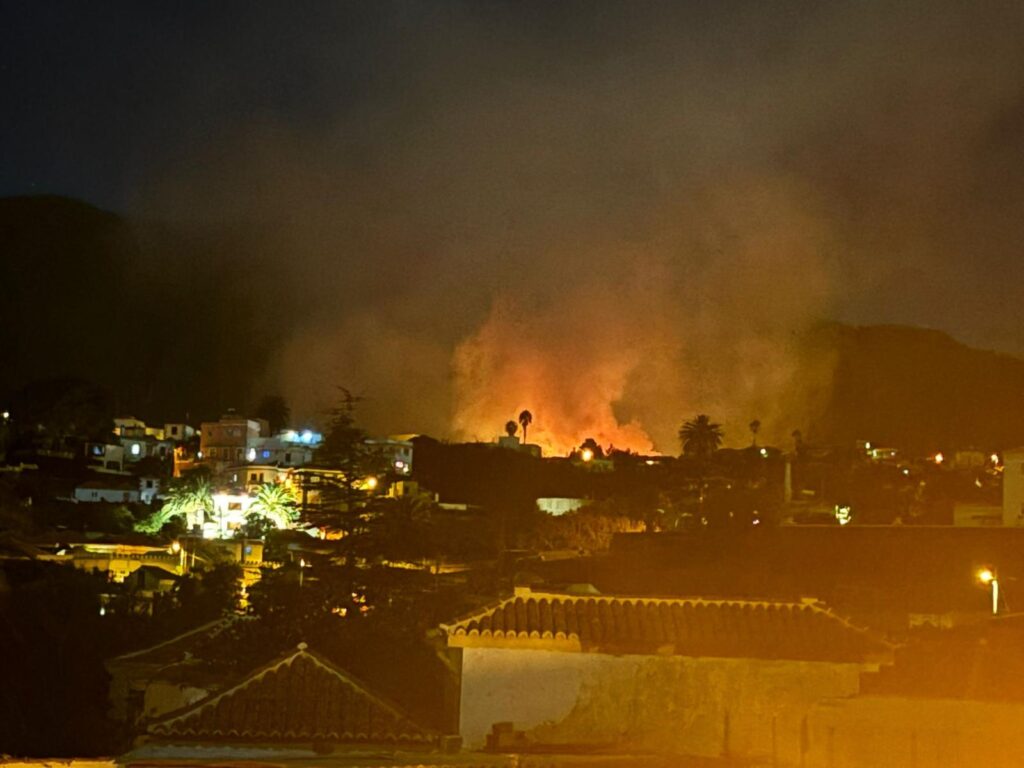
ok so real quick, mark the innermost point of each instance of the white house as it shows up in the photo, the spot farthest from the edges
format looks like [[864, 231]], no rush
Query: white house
[[653, 675]]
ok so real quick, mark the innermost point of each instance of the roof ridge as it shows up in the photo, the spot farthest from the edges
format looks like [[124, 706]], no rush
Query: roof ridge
[[846, 621], [226, 620], [527, 593]]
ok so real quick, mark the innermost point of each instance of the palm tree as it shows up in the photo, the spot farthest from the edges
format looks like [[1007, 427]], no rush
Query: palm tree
[[755, 427], [192, 499], [525, 420], [700, 438], [276, 503], [510, 428]]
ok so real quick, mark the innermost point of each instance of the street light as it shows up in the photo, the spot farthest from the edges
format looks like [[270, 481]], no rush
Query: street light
[[586, 454], [987, 576]]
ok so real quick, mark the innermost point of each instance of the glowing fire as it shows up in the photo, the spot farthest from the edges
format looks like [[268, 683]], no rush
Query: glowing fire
[[568, 372]]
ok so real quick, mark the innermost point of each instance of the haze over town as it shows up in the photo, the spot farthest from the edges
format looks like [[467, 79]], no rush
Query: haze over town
[[536, 383]]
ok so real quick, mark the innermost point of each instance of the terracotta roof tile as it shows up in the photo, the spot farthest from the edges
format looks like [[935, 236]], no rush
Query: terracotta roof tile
[[302, 697], [802, 630]]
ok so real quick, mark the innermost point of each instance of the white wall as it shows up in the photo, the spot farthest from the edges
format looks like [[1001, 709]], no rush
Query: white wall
[[670, 704], [115, 496]]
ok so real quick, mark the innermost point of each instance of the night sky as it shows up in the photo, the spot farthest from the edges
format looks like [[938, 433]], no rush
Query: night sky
[[611, 213]]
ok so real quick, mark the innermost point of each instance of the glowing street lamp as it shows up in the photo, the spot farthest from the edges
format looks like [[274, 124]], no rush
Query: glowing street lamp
[[939, 458], [987, 576], [586, 454]]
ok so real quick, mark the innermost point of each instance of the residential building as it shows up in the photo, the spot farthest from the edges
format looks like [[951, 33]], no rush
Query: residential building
[[178, 432], [119, 490], [231, 440], [287, 449], [654, 675], [395, 454], [105, 456], [296, 703]]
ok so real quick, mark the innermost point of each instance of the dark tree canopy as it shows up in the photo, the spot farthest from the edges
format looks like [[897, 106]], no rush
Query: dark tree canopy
[[61, 409], [700, 438], [274, 409]]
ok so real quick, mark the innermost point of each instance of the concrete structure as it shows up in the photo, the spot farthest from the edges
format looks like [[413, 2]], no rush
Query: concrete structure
[[178, 432], [229, 513], [284, 449], [116, 559], [105, 456], [113, 491], [231, 440], [676, 676], [977, 515], [1013, 487], [119, 490], [395, 454]]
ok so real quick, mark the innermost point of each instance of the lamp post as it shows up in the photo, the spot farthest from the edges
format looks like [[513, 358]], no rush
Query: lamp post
[[987, 576]]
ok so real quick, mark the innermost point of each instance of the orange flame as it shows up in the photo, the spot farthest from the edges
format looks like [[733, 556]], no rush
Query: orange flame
[[568, 372]]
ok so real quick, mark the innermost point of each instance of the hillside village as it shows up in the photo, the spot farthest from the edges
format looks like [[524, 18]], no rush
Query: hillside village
[[405, 579]]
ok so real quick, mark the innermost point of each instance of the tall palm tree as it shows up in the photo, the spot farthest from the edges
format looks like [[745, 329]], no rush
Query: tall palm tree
[[525, 420], [276, 503], [700, 438], [755, 427]]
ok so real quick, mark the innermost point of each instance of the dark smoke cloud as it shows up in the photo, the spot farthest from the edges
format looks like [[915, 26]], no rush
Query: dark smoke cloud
[[617, 215]]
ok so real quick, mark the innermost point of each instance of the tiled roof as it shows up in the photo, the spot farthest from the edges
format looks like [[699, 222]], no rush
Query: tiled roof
[[178, 648], [678, 626], [302, 697]]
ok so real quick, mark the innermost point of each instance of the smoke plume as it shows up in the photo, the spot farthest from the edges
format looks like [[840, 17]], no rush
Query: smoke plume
[[620, 216]]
